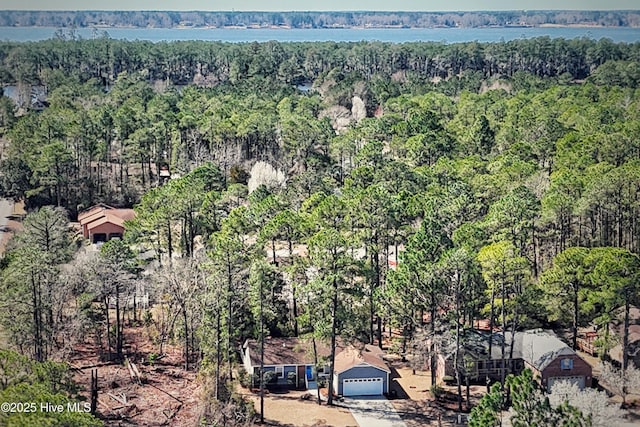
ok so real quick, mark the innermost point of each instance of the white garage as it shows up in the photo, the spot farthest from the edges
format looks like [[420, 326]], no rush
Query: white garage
[[362, 386], [361, 372]]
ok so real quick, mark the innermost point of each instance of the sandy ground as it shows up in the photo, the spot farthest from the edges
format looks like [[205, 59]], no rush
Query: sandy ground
[[415, 404], [6, 209], [10, 216], [288, 409], [408, 385]]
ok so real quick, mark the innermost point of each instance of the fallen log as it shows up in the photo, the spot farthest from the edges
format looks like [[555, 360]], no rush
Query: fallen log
[[137, 372], [93, 365], [122, 399], [134, 377], [167, 393]]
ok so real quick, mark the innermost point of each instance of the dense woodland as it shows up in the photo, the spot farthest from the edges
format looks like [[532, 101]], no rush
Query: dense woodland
[[414, 187], [168, 19], [390, 69]]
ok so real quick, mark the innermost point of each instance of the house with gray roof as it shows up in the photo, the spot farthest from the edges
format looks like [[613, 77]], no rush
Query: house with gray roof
[[552, 360], [361, 372], [549, 358]]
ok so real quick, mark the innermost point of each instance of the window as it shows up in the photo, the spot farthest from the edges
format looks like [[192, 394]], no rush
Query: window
[[280, 371], [566, 364]]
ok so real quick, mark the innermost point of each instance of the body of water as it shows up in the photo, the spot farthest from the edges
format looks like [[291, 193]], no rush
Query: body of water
[[447, 35]]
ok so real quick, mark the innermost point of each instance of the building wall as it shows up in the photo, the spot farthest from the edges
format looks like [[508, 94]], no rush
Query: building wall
[[282, 381], [299, 370], [580, 368], [362, 372], [106, 228], [246, 360]]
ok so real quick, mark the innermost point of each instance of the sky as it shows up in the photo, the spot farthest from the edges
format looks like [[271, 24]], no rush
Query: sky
[[323, 5]]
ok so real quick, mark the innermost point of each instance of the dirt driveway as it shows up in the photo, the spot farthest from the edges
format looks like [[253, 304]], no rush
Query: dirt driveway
[[290, 410]]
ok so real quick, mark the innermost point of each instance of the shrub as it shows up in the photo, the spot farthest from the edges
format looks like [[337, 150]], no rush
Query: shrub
[[437, 391], [147, 318], [238, 175], [244, 378], [152, 358], [291, 379], [269, 377]]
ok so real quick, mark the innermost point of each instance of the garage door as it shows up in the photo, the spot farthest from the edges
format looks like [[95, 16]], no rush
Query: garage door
[[578, 380], [362, 387]]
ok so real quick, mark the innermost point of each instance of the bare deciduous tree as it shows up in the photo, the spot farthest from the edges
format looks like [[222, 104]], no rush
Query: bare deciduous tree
[[180, 285]]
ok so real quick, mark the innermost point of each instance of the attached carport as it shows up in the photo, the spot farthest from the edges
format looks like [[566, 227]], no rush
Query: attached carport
[[361, 373]]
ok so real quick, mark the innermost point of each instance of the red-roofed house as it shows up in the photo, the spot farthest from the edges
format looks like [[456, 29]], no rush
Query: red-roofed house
[[101, 223]]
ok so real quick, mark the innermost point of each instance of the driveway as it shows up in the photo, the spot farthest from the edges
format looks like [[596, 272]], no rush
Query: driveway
[[373, 411], [6, 209]]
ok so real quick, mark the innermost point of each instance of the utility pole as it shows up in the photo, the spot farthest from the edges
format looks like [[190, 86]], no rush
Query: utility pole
[[261, 357]]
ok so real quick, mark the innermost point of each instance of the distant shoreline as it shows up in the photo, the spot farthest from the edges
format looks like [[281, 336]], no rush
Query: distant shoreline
[[355, 20], [584, 26], [352, 27]]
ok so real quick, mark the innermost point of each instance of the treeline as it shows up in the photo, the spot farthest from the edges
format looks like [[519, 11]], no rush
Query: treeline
[[168, 19], [208, 64]]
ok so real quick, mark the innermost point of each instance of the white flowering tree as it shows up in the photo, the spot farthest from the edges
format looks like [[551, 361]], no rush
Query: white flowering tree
[[592, 403], [620, 381], [262, 173]]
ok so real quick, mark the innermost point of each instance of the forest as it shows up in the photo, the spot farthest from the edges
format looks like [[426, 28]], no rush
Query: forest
[[321, 190], [171, 19]]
